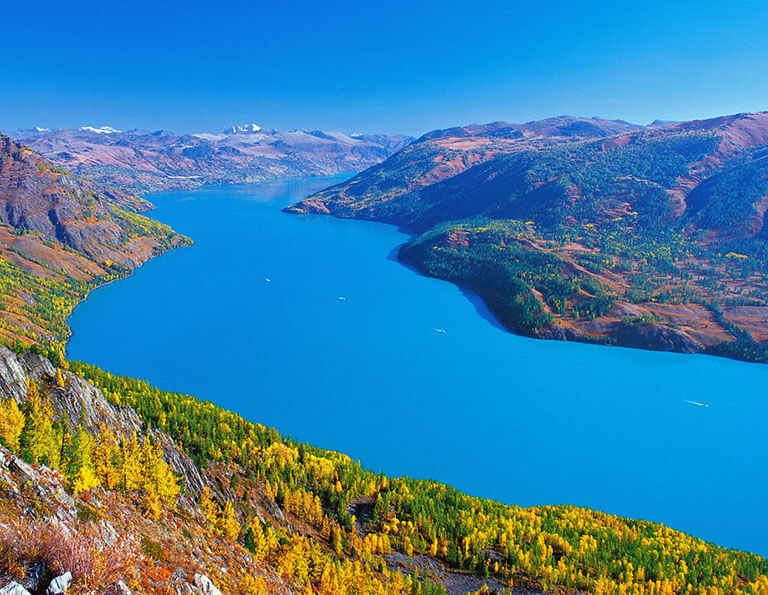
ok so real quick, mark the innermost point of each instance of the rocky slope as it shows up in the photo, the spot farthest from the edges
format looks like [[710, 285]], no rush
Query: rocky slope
[[59, 237], [104, 538], [589, 230], [141, 161]]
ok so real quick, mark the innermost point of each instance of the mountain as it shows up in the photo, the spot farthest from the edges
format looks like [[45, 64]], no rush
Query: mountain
[[139, 161], [586, 229], [60, 236]]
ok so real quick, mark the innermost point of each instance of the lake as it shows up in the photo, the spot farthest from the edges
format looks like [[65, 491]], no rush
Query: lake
[[251, 317]]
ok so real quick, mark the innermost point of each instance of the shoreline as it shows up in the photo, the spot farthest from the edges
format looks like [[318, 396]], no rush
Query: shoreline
[[552, 332]]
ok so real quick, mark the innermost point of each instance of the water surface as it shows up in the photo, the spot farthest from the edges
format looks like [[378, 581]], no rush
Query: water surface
[[496, 415]]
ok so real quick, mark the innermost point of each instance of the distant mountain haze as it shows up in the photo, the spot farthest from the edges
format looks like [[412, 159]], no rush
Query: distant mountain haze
[[140, 161]]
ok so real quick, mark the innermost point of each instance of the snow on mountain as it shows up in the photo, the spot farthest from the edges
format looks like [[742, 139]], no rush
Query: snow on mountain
[[244, 129], [99, 130]]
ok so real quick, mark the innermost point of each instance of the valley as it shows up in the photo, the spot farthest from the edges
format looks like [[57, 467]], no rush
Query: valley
[[278, 515]]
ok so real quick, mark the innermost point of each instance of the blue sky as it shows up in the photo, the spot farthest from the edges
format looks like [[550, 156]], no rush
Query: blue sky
[[391, 66]]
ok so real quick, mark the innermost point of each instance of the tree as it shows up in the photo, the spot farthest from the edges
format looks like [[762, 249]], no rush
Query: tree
[[11, 424], [152, 507], [164, 480], [41, 440], [208, 506], [133, 478], [228, 524], [85, 480], [80, 454], [254, 538], [107, 459]]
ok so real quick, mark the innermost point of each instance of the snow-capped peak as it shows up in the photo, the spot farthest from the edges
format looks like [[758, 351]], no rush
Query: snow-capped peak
[[244, 129], [99, 130], [41, 129]]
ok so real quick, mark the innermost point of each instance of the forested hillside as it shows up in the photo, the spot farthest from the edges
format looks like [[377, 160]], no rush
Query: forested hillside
[[573, 229]]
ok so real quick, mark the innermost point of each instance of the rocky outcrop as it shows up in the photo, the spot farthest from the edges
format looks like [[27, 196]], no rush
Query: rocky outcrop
[[13, 588], [81, 404], [60, 584], [204, 586], [31, 485], [73, 399]]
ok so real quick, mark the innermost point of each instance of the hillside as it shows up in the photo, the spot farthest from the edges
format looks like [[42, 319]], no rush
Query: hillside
[[156, 492], [140, 161], [59, 238], [589, 230]]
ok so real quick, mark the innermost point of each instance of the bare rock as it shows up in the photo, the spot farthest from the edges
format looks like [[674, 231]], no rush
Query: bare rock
[[204, 586], [60, 584], [13, 588]]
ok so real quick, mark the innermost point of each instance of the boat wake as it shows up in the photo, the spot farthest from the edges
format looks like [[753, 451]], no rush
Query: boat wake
[[695, 403]]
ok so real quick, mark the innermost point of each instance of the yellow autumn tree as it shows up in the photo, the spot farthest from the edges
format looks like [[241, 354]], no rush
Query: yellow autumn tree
[[151, 504], [208, 506], [159, 474], [107, 459], [86, 479], [41, 439], [228, 524], [255, 540], [167, 484], [131, 465], [80, 462], [11, 424]]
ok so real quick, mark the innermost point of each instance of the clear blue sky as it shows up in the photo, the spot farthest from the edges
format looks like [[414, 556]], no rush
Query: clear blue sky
[[386, 66]]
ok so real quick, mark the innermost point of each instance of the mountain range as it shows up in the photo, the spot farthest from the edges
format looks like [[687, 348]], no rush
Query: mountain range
[[140, 161], [588, 229]]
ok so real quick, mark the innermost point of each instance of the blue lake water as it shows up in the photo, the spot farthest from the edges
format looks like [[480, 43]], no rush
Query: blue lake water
[[519, 420]]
